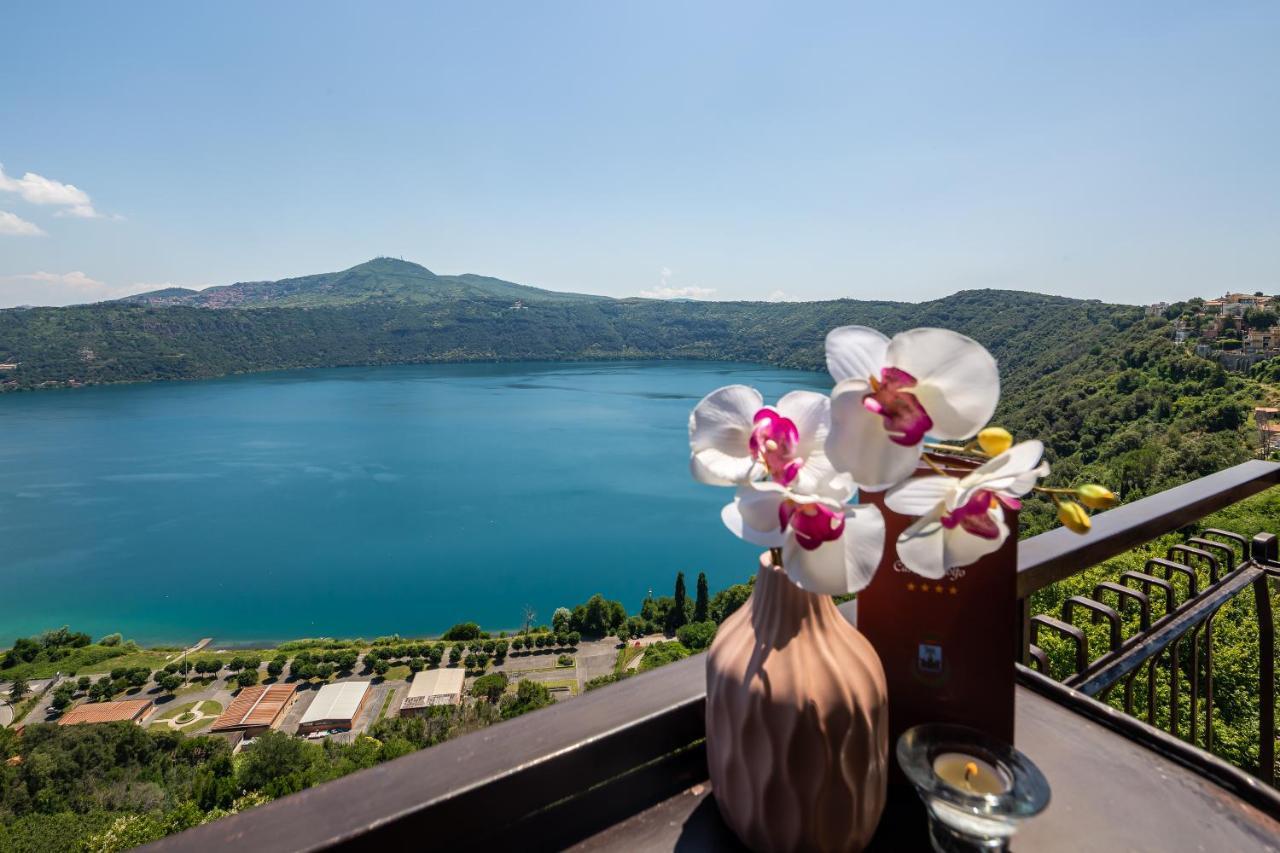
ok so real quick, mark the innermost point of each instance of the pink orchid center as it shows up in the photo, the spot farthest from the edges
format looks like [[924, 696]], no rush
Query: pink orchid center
[[974, 515], [813, 524], [775, 441], [904, 417]]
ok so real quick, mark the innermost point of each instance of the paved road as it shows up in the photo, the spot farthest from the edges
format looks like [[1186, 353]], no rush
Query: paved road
[[6, 713]]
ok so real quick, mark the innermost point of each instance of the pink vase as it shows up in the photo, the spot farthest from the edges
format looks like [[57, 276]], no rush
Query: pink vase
[[797, 722]]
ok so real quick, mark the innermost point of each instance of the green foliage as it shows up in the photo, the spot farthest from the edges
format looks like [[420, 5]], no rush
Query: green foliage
[[598, 617], [489, 687], [678, 614], [661, 654], [729, 599], [462, 631], [701, 605], [530, 696], [696, 636]]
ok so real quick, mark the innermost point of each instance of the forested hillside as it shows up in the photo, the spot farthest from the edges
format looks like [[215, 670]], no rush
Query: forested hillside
[[1114, 399]]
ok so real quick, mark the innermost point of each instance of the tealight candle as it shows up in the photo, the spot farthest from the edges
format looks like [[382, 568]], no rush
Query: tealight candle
[[970, 774], [975, 788]]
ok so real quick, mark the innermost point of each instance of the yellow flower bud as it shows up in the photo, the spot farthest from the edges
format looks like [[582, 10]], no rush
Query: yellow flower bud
[[995, 440], [1073, 516], [1096, 497]]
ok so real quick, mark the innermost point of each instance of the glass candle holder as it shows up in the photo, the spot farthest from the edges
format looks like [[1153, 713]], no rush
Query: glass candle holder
[[975, 788]]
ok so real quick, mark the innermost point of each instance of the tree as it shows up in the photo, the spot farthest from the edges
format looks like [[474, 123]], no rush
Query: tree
[[701, 603], [598, 617], [247, 677], [530, 696], [172, 681], [455, 654], [489, 687], [18, 689], [677, 616], [727, 600], [560, 619], [381, 667], [417, 664], [63, 695], [574, 638], [111, 640], [83, 683], [462, 631], [276, 667], [696, 635], [325, 669], [138, 676]]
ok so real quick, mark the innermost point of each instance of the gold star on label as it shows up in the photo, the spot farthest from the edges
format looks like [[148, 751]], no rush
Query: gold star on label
[[911, 587], [938, 588]]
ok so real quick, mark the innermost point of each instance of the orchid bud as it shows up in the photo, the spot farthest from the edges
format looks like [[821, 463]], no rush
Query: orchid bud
[[995, 440], [1073, 517], [1096, 497]]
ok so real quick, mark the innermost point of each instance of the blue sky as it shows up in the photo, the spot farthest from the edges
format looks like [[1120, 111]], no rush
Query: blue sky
[[1128, 152]]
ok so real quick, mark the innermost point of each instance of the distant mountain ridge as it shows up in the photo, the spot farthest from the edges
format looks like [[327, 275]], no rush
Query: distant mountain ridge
[[381, 280]]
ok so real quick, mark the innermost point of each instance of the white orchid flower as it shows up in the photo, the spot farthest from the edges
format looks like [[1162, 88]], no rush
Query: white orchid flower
[[736, 438], [891, 393], [828, 547], [962, 518]]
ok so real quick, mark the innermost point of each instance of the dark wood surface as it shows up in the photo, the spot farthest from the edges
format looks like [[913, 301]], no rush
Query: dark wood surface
[[1108, 794]]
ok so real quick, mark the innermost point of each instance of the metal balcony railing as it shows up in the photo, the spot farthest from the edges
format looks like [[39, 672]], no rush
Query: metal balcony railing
[[552, 778], [1176, 598]]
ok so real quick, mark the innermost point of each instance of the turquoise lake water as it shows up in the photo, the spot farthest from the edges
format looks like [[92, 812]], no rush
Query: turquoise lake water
[[358, 501]]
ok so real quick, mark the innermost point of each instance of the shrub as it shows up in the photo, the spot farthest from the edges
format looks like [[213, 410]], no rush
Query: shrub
[[463, 631], [696, 635]]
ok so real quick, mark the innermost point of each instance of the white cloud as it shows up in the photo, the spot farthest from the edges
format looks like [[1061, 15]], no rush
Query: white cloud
[[779, 296], [664, 290], [37, 189], [54, 288], [13, 224], [678, 293]]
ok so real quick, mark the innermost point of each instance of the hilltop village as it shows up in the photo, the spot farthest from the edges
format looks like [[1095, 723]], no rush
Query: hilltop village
[[1237, 329]]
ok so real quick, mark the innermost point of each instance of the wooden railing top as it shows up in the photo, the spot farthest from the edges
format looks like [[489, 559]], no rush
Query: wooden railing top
[[1058, 554]]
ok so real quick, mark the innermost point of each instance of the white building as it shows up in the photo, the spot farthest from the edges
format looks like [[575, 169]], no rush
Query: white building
[[433, 687], [336, 706]]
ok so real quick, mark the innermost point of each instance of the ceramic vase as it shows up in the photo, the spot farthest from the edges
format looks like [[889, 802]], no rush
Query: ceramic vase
[[797, 722]]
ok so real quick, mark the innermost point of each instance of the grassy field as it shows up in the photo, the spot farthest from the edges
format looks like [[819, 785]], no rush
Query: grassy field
[[570, 683], [397, 673], [90, 659]]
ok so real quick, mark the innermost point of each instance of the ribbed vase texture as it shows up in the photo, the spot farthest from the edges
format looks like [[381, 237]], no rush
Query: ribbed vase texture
[[797, 722]]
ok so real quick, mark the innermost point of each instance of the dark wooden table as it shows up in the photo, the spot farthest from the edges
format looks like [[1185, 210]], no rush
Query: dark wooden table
[[1109, 793]]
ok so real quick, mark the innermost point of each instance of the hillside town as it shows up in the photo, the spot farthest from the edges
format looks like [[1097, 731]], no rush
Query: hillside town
[[1237, 329]]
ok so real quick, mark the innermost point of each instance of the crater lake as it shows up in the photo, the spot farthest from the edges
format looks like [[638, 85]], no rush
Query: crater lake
[[359, 502]]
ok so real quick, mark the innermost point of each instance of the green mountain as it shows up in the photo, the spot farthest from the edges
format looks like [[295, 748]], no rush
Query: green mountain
[[381, 280]]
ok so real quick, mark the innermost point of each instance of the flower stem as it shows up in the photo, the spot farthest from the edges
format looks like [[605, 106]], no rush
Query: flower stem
[[967, 450]]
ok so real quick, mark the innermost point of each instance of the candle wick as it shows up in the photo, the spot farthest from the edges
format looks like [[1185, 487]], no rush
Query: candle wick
[[970, 770]]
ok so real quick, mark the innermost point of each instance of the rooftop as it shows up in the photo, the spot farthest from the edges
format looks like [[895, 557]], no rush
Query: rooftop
[[255, 706], [130, 710], [339, 701], [436, 682]]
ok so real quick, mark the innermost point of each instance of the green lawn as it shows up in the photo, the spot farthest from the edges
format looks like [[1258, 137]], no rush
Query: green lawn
[[209, 707], [385, 704], [571, 683], [626, 655], [397, 673]]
